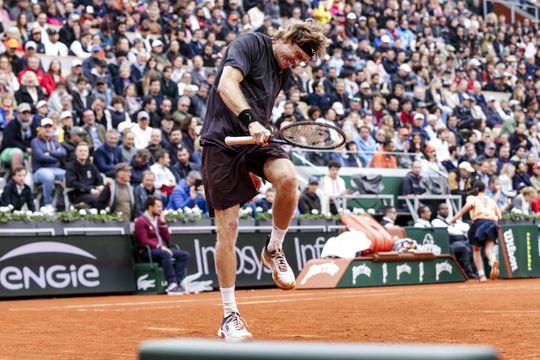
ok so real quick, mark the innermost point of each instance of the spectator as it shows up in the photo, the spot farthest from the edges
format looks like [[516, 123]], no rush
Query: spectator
[[521, 176], [151, 230], [411, 183], [383, 158], [535, 178], [389, 216], [118, 193], [139, 164], [144, 190], [16, 193], [70, 143], [522, 202], [30, 91], [507, 174], [351, 158], [95, 133], [309, 200], [165, 180], [142, 131], [333, 186], [366, 145], [108, 154], [457, 233], [424, 217], [189, 193], [47, 156], [83, 178], [18, 134], [183, 166], [155, 144], [128, 146], [461, 182], [266, 203]]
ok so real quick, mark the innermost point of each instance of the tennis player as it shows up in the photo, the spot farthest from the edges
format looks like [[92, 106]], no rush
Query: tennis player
[[484, 230], [254, 69]]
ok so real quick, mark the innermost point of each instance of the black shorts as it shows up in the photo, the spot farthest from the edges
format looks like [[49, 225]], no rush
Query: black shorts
[[226, 173]]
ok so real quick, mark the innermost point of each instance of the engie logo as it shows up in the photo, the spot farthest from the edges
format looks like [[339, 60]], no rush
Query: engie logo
[[56, 275]]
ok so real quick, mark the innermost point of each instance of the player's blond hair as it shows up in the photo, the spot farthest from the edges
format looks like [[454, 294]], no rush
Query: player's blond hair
[[305, 32]]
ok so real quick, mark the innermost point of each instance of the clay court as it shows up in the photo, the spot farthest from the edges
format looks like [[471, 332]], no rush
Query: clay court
[[502, 313]]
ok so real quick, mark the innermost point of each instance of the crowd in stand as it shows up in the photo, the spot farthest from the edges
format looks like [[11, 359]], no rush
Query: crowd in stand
[[108, 96]]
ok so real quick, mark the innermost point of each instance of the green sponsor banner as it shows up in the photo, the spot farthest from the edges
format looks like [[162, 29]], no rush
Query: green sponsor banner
[[519, 251], [363, 273], [250, 272], [63, 265], [434, 240]]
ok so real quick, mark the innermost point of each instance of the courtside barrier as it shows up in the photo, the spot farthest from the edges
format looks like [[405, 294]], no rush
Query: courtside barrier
[[195, 349], [519, 251], [65, 265], [381, 269]]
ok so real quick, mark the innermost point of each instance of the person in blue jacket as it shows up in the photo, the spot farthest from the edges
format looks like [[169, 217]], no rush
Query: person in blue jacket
[[47, 156], [189, 193], [108, 154]]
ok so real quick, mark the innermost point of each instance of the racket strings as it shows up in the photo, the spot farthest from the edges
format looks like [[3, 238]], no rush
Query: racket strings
[[314, 136]]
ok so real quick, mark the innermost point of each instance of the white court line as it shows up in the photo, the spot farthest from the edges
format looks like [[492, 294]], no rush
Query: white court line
[[300, 293], [136, 303], [165, 329], [241, 302]]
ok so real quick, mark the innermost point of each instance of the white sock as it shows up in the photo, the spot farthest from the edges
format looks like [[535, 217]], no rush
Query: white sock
[[276, 238], [229, 301], [481, 273]]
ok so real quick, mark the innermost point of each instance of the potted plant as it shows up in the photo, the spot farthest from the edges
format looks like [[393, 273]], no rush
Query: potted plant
[[15, 219], [186, 219], [516, 217], [246, 219], [318, 219], [264, 219], [104, 219]]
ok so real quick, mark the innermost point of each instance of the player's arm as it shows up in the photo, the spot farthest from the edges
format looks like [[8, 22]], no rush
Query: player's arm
[[231, 94]]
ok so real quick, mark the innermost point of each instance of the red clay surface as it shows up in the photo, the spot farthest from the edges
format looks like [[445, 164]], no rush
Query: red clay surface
[[502, 313]]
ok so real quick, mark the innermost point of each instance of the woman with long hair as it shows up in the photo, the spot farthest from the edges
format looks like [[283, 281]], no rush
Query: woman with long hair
[[484, 231], [55, 70], [22, 25]]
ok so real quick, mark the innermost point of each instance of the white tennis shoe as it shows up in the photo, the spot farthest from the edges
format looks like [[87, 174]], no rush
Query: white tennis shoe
[[233, 329], [282, 273]]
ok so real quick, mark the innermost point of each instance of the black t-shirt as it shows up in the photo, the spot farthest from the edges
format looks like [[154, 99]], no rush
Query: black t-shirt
[[263, 79]]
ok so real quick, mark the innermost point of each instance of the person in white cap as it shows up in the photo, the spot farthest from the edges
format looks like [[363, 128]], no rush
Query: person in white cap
[[74, 73], [142, 130], [47, 156]]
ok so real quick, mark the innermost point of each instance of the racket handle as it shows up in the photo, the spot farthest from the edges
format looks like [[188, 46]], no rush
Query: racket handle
[[239, 140]]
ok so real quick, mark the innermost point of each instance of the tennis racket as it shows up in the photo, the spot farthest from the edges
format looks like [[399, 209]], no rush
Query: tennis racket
[[304, 134]]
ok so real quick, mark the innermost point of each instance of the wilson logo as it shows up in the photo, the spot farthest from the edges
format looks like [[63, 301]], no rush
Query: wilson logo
[[57, 276]]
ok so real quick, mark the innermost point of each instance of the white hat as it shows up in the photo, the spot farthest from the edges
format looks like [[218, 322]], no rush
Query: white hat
[[338, 108], [89, 9], [41, 103], [418, 116], [76, 62], [351, 16], [65, 114], [474, 62], [491, 98], [385, 39], [125, 125], [47, 121], [157, 43], [30, 44], [405, 67]]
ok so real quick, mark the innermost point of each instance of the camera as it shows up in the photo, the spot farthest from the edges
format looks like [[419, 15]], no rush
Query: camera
[[197, 183]]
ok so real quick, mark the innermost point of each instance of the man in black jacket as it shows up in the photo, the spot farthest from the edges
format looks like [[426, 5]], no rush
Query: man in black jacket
[[183, 167], [83, 178], [411, 183], [309, 200], [16, 193], [17, 137]]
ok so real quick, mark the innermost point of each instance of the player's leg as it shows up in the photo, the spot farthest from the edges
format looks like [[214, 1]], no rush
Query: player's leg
[[233, 327], [478, 262], [282, 174], [493, 262]]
